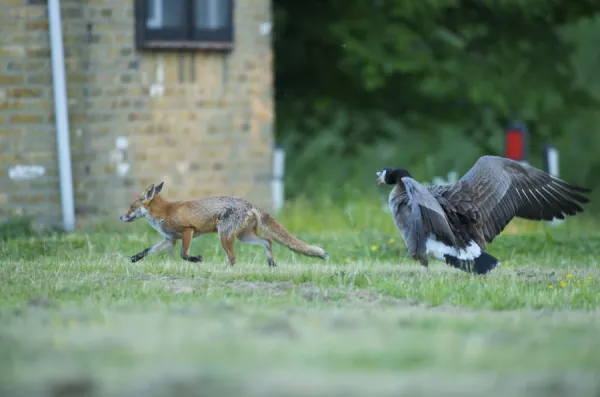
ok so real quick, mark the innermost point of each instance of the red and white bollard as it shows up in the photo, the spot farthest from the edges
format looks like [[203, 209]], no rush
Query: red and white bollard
[[516, 141]]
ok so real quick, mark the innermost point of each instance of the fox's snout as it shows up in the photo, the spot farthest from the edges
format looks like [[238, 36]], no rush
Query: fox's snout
[[134, 214], [126, 218]]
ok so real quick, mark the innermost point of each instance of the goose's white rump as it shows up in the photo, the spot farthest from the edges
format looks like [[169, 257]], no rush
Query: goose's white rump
[[439, 249]]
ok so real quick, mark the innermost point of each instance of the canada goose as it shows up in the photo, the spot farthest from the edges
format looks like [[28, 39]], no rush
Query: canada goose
[[454, 222]]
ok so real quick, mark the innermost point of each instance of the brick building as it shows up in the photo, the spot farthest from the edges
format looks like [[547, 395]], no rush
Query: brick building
[[182, 95]]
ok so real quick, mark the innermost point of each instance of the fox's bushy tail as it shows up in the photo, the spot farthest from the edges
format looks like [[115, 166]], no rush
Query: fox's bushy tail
[[274, 230], [483, 264]]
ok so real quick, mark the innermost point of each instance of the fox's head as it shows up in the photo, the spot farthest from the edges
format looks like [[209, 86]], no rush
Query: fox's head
[[139, 206]]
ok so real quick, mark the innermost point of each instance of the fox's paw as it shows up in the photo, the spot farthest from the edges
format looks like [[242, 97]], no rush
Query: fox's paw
[[195, 259], [139, 255], [136, 257]]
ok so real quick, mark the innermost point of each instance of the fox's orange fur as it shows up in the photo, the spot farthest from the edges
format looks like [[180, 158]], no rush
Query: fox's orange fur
[[230, 217]]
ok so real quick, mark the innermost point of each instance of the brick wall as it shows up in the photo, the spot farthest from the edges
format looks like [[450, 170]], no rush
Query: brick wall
[[199, 121]]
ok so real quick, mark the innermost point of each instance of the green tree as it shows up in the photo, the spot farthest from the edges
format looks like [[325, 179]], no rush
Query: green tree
[[356, 74]]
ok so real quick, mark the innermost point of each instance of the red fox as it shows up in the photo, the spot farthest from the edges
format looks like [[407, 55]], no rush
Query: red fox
[[228, 216]]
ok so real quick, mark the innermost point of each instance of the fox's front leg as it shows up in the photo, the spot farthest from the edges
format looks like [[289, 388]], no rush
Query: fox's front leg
[[160, 247], [188, 235]]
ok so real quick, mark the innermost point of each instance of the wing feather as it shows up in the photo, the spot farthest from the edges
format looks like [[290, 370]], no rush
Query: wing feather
[[427, 217], [496, 190]]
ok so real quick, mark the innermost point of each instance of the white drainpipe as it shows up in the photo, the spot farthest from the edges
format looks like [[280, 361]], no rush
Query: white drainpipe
[[277, 181], [62, 118]]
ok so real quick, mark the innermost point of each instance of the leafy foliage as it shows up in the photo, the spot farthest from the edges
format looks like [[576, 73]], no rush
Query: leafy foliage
[[421, 80]]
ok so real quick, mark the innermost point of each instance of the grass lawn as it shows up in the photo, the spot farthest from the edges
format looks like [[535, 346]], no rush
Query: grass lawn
[[77, 318]]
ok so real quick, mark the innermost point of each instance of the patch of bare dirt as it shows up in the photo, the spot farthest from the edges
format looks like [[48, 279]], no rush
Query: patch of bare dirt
[[276, 287]]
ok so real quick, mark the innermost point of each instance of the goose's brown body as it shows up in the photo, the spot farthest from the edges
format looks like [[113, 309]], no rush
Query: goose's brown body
[[455, 222]]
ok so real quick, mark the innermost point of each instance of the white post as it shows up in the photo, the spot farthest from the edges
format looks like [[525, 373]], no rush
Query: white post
[[452, 177], [550, 155], [61, 112], [277, 182]]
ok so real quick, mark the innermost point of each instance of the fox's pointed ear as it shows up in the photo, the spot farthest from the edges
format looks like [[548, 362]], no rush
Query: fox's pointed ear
[[158, 188], [149, 193]]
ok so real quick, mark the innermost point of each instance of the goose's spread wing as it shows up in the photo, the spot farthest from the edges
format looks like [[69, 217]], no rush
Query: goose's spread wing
[[427, 216], [497, 189]]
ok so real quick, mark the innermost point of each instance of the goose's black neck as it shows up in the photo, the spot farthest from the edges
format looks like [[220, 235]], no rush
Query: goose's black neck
[[393, 176]]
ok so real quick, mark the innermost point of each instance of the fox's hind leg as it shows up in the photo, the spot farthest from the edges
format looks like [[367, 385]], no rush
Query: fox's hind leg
[[250, 236], [228, 241]]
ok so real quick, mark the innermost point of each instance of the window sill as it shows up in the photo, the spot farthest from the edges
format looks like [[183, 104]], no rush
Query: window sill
[[185, 45]]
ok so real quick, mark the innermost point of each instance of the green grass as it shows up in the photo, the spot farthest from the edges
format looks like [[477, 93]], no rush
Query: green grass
[[77, 317]]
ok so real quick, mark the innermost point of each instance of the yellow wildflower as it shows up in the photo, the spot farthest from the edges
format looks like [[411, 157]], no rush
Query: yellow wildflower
[[550, 286], [563, 284], [569, 275], [392, 241], [373, 248]]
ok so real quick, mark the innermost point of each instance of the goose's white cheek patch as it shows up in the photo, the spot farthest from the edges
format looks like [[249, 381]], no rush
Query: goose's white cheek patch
[[381, 175]]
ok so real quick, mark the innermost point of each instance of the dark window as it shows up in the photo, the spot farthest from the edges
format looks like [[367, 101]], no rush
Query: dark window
[[178, 24]]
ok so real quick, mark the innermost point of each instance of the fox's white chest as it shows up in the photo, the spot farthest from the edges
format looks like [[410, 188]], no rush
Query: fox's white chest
[[157, 224]]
